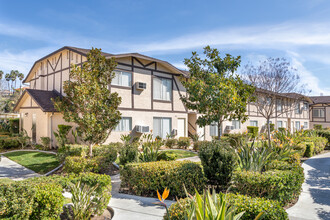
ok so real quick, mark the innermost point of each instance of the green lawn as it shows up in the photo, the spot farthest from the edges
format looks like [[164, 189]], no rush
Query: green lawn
[[39, 162], [182, 153]]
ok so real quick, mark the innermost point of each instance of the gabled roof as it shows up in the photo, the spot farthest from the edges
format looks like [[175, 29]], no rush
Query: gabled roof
[[42, 98], [320, 99], [84, 52]]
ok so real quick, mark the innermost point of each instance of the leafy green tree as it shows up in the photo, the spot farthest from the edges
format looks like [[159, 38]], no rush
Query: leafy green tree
[[88, 101], [214, 90]]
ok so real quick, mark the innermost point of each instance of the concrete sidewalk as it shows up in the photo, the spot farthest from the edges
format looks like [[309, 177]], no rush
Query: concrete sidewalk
[[14, 171], [130, 207], [314, 201]]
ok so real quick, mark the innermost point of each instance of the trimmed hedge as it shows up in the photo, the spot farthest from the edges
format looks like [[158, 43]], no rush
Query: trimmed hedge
[[309, 152], [167, 156], [282, 185], [219, 162], [197, 145], [183, 142], [318, 127], [7, 142], [251, 206], [324, 133], [253, 131], [22, 200], [170, 143], [144, 179], [76, 164]]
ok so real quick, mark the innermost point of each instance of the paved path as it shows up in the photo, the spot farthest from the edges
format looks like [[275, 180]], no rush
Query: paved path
[[314, 201], [130, 207], [14, 171], [193, 159]]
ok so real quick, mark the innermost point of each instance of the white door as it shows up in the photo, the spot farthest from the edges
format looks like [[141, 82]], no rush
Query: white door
[[181, 127], [200, 132]]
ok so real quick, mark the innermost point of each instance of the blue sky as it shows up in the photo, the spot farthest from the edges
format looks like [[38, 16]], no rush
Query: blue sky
[[298, 30]]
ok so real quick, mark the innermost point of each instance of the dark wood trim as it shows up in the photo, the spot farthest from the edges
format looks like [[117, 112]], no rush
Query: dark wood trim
[[176, 85], [143, 65], [32, 107], [162, 101], [160, 71], [121, 87], [172, 98], [150, 110], [152, 90], [61, 83]]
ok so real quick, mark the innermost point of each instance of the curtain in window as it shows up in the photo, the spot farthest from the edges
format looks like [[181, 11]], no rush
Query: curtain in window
[[161, 127], [122, 79], [157, 88], [236, 124], [213, 130], [298, 125], [125, 124], [162, 89]]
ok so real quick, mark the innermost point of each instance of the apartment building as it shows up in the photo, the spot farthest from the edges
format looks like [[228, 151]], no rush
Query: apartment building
[[320, 111], [150, 89]]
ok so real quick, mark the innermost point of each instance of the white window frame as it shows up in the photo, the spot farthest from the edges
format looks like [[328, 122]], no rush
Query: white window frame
[[119, 75], [214, 129], [252, 123], [120, 126], [279, 106], [306, 107], [279, 124], [299, 125], [161, 93], [297, 109], [305, 125], [318, 113]]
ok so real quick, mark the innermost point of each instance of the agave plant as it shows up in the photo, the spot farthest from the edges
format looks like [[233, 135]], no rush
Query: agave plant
[[84, 202], [254, 158], [150, 148], [212, 207]]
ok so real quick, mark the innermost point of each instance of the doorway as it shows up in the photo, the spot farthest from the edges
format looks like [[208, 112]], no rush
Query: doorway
[[181, 127]]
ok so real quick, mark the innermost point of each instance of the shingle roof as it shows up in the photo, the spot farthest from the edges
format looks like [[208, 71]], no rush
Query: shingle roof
[[43, 98], [320, 99]]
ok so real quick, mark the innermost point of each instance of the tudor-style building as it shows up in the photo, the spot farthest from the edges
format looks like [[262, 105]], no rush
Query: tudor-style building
[[320, 111], [150, 89]]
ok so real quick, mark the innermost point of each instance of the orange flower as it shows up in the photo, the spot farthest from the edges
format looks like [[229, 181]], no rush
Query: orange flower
[[164, 196]]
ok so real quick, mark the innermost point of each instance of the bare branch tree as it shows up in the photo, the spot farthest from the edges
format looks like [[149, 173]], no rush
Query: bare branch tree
[[278, 88]]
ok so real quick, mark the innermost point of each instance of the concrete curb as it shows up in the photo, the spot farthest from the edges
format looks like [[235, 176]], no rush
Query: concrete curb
[[43, 151]]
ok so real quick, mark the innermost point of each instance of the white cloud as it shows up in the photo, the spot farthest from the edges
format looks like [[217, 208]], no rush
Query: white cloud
[[280, 36]]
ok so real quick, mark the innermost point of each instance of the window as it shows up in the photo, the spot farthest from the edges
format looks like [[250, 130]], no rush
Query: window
[[306, 106], [125, 124], [279, 124], [306, 125], [236, 124], [268, 101], [122, 79], [162, 127], [162, 89], [298, 125], [279, 105], [214, 129], [297, 110], [254, 123], [318, 113]]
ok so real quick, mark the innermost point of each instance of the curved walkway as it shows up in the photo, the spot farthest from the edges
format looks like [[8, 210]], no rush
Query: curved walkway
[[12, 170], [314, 200]]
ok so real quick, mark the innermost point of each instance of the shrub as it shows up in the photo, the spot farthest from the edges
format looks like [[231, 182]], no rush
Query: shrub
[[281, 129], [197, 145], [324, 133], [150, 148], [71, 150], [45, 142], [218, 162], [109, 152], [281, 185], [184, 142], [167, 156], [272, 127], [301, 148], [253, 131], [128, 154], [235, 139], [170, 143], [14, 125], [76, 164], [22, 200], [251, 207], [146, 178], [9, 142], [61, 135], [318, 127], [309, 149]]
